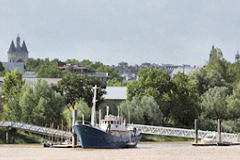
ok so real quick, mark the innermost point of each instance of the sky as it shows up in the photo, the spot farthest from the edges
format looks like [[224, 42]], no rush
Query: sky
[[111, 31]]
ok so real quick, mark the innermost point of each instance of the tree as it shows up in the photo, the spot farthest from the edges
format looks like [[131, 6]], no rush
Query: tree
[[142, 111], [151, 112], [45, 68], [27, 103], [73, 87], [49, 105], [11, 88], [233, 105], [98, 67], [186, 101], [155, 83], [219, 64], [214, 103], [116, 82], [205, 78], [14, 111], [40, 105], [12, 84], [82, 109], [132, 111]]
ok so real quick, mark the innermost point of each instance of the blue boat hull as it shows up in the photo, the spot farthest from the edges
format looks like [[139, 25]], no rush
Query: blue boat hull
[[91, 137]]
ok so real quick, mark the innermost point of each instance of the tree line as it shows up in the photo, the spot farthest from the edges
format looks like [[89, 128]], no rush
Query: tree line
[[44, 104], [210, 93]]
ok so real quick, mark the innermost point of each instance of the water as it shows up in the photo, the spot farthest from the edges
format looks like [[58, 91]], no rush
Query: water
[[144, 151]]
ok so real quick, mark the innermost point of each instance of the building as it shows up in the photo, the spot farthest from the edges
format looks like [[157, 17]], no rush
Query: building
[[113, 98], [17, 57], [18, 53], [102, 76], [186, 69], [14, 65]]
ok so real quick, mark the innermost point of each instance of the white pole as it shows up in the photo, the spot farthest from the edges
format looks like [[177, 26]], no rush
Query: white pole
[[83, 119], [74, 136], [94, 106], [107, 110]]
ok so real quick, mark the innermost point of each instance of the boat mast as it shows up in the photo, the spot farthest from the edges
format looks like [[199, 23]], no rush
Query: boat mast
[[94, 106]]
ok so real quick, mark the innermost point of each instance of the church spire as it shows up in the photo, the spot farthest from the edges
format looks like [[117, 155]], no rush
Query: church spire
[[12, 48], [237, 56], [18, 41], [24, 47]]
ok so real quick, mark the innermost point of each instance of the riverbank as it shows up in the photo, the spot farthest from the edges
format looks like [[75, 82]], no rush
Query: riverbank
[[158, 138], [22, 137], [29, 138], [145, 150]]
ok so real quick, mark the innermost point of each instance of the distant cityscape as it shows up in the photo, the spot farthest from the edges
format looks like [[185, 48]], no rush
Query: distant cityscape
[[18, 55]]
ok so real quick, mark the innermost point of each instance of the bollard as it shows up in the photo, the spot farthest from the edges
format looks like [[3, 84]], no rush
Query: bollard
[[196, 131], [219, 131], [74, 136]]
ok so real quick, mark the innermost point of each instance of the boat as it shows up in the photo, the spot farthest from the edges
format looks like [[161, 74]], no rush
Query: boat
[[111, 133]]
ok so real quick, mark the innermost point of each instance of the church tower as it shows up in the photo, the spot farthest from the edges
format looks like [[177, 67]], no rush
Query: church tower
[[237, 56], [18, 53]]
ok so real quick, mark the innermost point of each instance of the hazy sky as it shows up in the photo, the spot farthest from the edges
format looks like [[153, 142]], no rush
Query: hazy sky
[[111, 31]]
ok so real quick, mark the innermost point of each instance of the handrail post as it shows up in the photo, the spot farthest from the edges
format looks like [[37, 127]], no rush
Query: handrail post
[[219, 131], [196, 130]]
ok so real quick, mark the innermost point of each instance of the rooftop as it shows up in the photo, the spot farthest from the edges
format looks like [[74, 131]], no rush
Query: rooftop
[[116, 93]]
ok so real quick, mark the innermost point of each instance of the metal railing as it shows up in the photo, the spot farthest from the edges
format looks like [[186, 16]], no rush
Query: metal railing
[[180, 132], [36, 129], [145, 129]]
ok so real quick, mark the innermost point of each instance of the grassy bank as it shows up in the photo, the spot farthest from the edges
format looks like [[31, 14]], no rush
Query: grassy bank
[[23, 138], [158, 138]]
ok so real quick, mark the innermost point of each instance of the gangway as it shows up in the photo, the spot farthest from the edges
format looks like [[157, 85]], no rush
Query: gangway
[[145, 129], [36, 129], [180, 132]]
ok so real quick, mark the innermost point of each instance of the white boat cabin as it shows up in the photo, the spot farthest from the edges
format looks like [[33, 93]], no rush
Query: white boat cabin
[[113, 123]]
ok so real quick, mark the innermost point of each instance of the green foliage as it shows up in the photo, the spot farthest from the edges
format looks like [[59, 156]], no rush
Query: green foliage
[[48, 105], [159, 138], [219, 64], [98, 67], [44, 67], [27, 103], [205, 79], [155, 83], [73, 87], [132, 111], [14, 111], [22, 137], [115, 82], [233, 105], [214, 103], [49, 69], [185, 103], [82, 109], [1, 67], [144, 111], [40, 105], [12, 84]]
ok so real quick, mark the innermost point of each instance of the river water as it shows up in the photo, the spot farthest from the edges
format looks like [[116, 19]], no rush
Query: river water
[[144, 151]]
